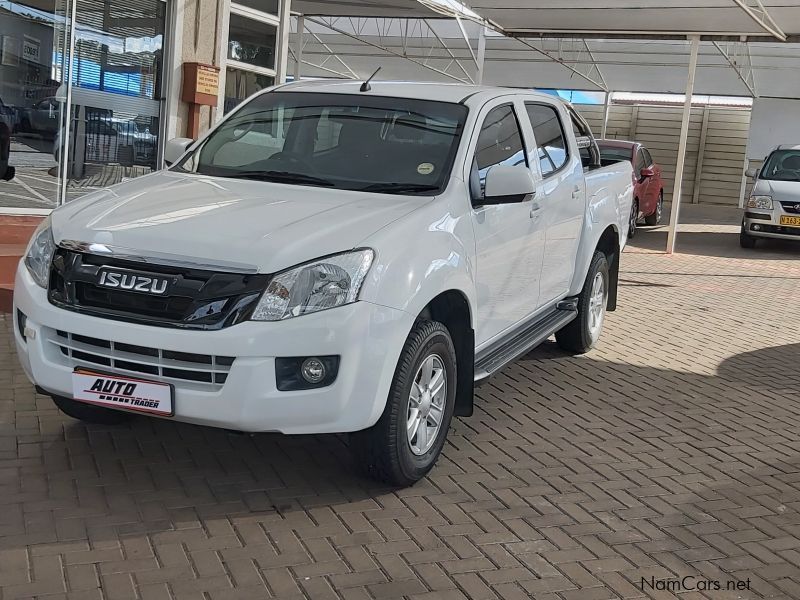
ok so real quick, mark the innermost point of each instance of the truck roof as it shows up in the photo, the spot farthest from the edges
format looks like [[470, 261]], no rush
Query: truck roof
[[443, 92]]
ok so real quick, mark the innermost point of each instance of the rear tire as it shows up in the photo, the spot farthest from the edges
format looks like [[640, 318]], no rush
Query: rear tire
[[582, 333], [655, 218], [745, 239], [88, 413], [393, 450]]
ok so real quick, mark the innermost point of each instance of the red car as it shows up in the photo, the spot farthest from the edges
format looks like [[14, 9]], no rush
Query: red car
[[648, 188]]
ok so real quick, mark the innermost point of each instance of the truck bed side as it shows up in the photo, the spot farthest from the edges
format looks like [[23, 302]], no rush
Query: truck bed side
[[609, 194]]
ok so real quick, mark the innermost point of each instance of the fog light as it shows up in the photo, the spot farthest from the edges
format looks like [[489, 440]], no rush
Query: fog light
[[312, 370], [305, 372], [756, 227]]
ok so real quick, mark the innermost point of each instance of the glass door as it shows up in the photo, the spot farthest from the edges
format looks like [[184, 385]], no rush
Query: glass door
[[34, 65], [116, 93]]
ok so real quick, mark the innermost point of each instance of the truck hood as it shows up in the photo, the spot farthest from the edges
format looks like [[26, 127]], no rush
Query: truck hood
[[786, 191], [223, 221]]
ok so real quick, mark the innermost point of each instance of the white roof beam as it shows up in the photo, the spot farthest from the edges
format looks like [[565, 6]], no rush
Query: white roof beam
[[756, 11]]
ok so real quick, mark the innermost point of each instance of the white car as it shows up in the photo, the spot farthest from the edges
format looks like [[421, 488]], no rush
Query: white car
[[330, 258], [773, 208]]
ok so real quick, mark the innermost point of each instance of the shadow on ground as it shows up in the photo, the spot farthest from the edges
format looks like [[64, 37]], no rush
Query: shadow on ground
[[723, 244], [618, 422]]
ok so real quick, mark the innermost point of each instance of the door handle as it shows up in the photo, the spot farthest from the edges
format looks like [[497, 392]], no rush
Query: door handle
[[535, 208], [576, 192]]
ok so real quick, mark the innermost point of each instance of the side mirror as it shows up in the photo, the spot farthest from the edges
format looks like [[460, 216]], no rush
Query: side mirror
[[647, 172], [506, 184], [175, 148], [751, 172]]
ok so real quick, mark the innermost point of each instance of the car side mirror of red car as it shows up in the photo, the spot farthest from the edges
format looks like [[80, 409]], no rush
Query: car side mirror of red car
[[647, 172]]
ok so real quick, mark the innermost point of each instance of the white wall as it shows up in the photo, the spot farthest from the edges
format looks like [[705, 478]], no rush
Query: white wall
[[775, 121]]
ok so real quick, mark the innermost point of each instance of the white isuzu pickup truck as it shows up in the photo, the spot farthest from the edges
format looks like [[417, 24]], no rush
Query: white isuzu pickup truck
[[331, 257]]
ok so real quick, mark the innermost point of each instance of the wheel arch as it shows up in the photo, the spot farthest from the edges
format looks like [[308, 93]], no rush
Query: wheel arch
[[452, 309]]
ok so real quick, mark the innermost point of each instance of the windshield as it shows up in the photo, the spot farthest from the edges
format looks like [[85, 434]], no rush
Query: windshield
[[782, 165], [343, 141]]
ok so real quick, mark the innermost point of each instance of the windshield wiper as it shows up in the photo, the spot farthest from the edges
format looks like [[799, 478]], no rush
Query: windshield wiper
[[281, 177], [399, 188]]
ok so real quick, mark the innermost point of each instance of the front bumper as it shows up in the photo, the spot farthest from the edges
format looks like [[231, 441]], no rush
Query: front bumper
[[767, 224], [367, 337]]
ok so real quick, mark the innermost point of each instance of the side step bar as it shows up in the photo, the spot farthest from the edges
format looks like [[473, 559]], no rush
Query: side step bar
[[520, 341]]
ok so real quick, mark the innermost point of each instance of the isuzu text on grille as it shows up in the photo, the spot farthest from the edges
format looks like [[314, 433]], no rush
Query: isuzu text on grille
[[137, 283]]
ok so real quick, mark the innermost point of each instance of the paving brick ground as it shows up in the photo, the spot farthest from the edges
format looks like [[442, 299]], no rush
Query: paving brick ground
[[671, 450]]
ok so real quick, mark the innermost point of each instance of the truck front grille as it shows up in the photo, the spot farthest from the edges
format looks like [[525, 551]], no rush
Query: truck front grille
[[167, 365], [195, 298]]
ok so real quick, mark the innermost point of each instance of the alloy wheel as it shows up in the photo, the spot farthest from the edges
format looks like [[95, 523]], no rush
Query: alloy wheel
[[597, 306], [426, 404]]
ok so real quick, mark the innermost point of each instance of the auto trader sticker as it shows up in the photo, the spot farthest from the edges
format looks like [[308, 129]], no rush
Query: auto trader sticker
[[122, 392]]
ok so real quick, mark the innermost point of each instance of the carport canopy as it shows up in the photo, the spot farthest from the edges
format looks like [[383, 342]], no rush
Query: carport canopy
[[749, 47], [741, 20]]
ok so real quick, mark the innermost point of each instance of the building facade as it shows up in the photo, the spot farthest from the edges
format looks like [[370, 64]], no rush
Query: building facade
[[91, 90]]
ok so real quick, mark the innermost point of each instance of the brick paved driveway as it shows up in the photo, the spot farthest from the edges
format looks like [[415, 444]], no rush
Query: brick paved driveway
[[671, 450]]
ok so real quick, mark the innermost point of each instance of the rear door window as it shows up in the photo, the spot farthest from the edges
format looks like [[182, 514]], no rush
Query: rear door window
[[580, 130], [551, 145]]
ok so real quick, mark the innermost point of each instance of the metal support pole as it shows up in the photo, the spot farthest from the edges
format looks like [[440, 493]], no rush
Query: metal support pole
[[284, 25], [481, 55], [66, 131], [298, 46], [466, 39], [687, 111], [606, 107]]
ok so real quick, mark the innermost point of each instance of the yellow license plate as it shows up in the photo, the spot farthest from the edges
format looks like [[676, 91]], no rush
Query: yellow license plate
[[790, 221]]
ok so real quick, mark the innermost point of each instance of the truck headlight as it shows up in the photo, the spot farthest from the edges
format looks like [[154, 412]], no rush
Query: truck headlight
[[39, 254], [314, 286], [763, 202]]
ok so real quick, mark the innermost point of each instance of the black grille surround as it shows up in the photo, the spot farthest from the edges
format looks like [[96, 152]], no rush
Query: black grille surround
[[195, 298], [791, 207]]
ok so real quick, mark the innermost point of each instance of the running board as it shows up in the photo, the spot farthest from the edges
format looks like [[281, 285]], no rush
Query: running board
[[519, 342]]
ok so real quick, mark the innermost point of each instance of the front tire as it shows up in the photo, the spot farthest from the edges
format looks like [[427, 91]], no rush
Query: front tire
[[745, 239], [655, 218], [633, 219], [89, 413], [582, 333], [402, 447]]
